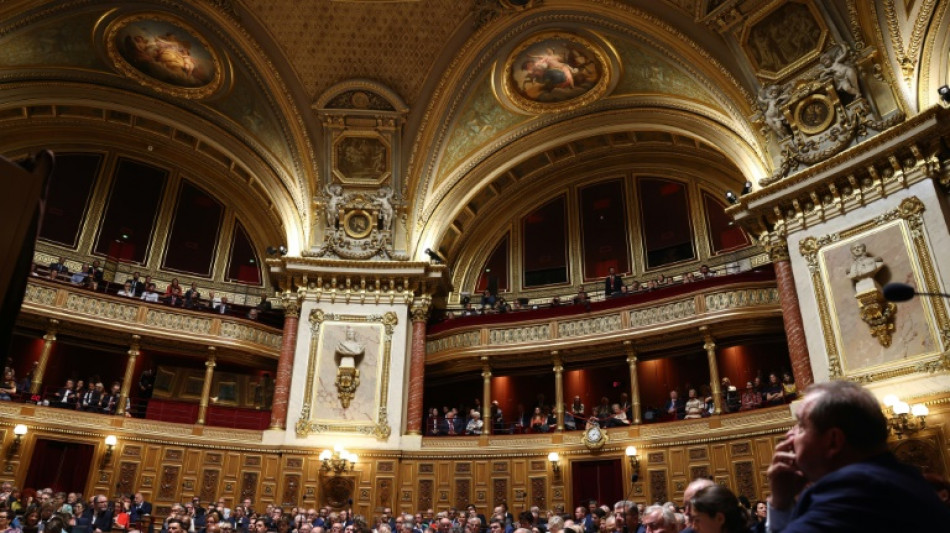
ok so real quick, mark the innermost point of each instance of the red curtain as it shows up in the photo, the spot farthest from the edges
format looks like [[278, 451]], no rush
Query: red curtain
[[61, 466], [597, 480]]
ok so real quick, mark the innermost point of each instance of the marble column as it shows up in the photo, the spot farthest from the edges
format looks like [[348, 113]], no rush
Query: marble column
[[285, 365], [486, 397], [129, 371], [634, 382], [417, 367], [49, 340], [558, 390], [206, 388], [710, 347], [791, 313]]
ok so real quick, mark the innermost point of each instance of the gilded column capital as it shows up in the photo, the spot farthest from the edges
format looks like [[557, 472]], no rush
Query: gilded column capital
[[51, 330], [631, 352], [212, 357], [776, 245], [291, 304], [420, 309]]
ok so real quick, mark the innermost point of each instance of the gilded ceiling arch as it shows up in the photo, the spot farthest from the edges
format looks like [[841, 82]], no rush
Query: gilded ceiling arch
[[439, 180], [656, 118], [248, 109]]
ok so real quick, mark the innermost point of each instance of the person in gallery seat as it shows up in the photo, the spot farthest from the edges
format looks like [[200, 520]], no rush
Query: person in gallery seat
[[751, 399], [675, 408], [833, 471], [613, 284]]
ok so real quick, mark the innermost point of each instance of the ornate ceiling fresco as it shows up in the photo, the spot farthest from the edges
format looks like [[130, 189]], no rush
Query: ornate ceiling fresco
[[486, 85]]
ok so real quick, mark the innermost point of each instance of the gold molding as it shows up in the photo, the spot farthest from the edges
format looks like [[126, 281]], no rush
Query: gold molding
[[378, 428], [909, 215]]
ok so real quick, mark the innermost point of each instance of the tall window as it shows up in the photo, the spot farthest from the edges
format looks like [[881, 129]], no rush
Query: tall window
[[70, 187], [667, 232], [194, 233], [244, 265], [544, 237], [604, 229], [494, 274], [126, 228], [724, 235]]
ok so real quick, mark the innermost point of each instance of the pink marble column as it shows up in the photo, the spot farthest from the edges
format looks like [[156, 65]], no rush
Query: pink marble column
[[417, 370], [285, 366], [792, 315]]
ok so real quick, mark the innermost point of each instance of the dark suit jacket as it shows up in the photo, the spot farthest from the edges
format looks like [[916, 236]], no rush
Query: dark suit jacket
[[612, 285], [101, 522], [880, 494], [137, 511]]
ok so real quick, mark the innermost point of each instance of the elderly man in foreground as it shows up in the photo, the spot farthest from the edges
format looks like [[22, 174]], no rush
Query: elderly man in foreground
[[835, 461]]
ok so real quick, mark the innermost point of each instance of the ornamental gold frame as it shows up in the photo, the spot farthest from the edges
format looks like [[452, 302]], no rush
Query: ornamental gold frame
[[909, 217], [380, 429]]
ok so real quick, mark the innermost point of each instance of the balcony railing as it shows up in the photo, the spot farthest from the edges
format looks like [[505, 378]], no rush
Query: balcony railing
[[104, 312], [734, 297]]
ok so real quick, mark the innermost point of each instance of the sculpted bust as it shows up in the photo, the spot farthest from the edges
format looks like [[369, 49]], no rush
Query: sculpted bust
[[863, 268], [349, 352]]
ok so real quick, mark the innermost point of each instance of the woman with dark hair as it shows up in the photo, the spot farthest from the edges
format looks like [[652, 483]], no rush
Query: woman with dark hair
[[716, 509], [760, 511]]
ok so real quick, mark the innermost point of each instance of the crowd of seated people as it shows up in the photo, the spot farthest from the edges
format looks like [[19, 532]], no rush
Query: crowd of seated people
[[614, 287], [91, 278], [700, 403]]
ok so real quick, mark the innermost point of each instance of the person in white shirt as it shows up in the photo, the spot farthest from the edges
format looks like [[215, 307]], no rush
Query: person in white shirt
[[150, 295], [127, 290]]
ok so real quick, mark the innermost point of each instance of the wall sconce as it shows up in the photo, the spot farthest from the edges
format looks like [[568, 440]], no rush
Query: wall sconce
[[18, 431], [338, 461], [634, 462], [111, 441], [899, 419], [553, 458]]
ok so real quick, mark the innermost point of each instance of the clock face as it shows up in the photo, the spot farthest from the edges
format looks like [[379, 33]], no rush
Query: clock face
[[594, 434]]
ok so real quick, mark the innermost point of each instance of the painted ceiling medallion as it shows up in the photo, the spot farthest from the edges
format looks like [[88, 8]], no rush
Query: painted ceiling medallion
[[555, 71], [165, 54]]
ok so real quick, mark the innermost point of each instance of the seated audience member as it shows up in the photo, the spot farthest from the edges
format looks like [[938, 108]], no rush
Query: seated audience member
[[175, 298], [657, 518], [613, 283], [772, 394], [95, 276], [264, 304], [539, 422], [137, 286], [488, 299], [90, 399], [192, 297], [222, 307], [253, 313], [475, 423], [709, 403], [694, 406], [150, 295], [751, 399], [715, 509], [635, 286], [8, 386], [432, 424], [497, 416], [652, 285], [602, 412], [689, 277], [450, 416], [757, 384], [59, 269], [581, 298], [556, 301], [789, 390], [618, 417], [662, 280], [675, 407], [110, 401], [833, 471], [731, 396], [127, 290], [174, 285], [704, 272], [79, 278], [65, 397]]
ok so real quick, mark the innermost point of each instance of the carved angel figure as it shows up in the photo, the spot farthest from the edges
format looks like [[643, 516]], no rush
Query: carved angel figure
[[384, 199], [334, 201], [771, 99], [837, 65]]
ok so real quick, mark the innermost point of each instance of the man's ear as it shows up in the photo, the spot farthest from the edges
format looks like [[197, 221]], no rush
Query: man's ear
[[835, 442]]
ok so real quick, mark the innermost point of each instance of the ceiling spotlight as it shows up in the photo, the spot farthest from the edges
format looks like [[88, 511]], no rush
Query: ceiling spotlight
[[731, 196], [275, 250], [746, 189], [434, 256], [944, 92]]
